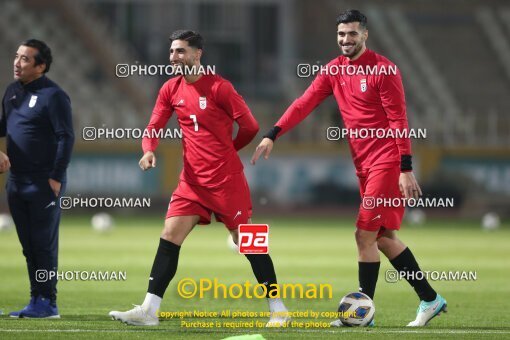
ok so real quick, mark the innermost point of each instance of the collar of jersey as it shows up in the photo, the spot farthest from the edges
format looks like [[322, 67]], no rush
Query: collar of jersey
[[36, 84], [361, 60]]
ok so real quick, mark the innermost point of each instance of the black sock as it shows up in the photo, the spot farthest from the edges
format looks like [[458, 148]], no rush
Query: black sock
[[164, 267], [367, 275], [405, 262], [263, 268]]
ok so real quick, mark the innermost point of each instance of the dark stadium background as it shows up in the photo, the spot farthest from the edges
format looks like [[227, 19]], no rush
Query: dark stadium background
[[454, 57]]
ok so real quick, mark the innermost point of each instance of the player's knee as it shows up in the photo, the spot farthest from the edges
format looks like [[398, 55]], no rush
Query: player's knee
[[383, 243], [235, 236], [166, 235], [172, 235], [364, 239]]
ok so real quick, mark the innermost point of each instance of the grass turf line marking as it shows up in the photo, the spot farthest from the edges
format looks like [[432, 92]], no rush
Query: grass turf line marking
[[373, 331]]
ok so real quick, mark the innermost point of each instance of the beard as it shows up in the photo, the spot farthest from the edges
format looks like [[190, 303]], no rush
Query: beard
[[353, 50]]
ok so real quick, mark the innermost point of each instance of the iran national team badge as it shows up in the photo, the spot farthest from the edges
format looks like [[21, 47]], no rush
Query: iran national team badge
[[202, 101], [32, 102], [363, 83]]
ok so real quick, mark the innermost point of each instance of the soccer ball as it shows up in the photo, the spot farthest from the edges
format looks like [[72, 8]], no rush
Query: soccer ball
[[491, 221], [6, 222], [356, 309], [231, 245], [102, 222], [416, 216]]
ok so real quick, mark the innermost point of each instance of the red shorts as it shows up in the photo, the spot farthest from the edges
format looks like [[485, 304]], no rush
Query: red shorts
[[230, 202], [374, 184]]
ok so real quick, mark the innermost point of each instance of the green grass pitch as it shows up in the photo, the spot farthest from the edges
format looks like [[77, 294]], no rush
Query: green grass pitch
[[303, 250]]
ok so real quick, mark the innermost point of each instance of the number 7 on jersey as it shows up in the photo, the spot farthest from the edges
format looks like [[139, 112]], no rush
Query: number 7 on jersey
[[194, 119]]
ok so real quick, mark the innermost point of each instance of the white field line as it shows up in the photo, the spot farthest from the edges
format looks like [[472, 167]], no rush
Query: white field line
[[350, 330]]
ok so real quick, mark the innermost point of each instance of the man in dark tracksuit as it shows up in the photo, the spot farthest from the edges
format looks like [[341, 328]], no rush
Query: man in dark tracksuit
[[36, 119]]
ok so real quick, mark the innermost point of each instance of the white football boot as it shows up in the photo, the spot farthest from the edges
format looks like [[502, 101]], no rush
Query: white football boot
[[279, 319], [427, 311], [136, 317], [337, 323]]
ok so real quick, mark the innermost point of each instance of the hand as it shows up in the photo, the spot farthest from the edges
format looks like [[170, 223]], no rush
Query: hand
[[55, 186], [408, 185], [147, 161], [265, 148], [4, 163]]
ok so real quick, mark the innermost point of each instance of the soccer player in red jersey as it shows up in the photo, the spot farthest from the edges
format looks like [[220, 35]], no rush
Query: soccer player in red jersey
[[383, 165], [212, 179]]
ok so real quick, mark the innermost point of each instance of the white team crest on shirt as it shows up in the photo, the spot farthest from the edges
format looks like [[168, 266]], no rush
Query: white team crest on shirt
[[32, 102], [202, 102], [363, 83]]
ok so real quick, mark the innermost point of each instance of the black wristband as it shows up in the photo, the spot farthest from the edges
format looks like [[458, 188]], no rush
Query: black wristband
[[273, 133], [406, 163]]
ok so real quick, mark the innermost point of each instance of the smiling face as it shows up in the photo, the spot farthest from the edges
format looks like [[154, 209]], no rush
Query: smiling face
[[351, 38], [182, 54], [25, 69]]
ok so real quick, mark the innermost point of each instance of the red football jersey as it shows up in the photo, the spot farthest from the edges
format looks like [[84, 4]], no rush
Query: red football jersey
[[373, 101], [206, 110]]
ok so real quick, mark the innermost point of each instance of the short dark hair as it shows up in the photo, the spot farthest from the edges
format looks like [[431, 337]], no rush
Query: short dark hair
[[193, 38], [44, 52], [352, 15]]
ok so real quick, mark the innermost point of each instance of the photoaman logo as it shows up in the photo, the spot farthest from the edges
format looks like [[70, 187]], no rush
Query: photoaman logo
[[253, 238]]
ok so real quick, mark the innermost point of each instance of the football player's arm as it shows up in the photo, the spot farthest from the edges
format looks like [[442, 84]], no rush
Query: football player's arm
[[248, 128], [4, 160], [236, 107], [5, 164], [160, 115], [394, 104], [3, 120], [60, 113], [319, 90]]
